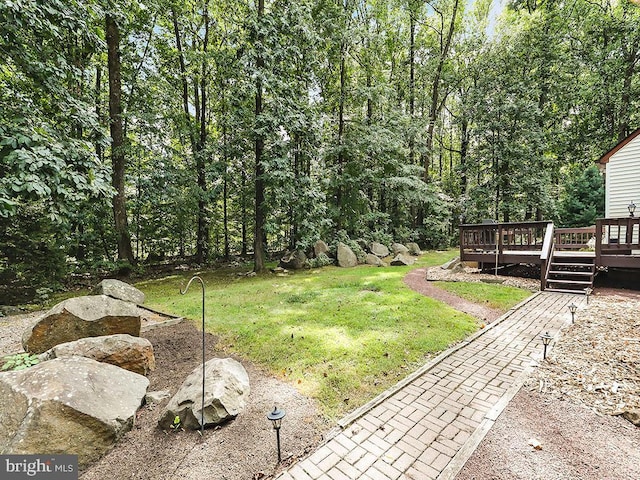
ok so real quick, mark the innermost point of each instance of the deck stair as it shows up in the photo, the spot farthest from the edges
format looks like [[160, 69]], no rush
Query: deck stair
[[570, 272]]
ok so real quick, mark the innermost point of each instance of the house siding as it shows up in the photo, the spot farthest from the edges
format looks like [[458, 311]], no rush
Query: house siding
[[623, 180]]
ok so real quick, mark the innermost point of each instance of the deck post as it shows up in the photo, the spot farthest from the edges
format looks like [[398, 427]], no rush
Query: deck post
[[461, 245], [598, 242]]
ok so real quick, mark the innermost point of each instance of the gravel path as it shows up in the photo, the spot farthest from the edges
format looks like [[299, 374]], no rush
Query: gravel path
[[11, 329]]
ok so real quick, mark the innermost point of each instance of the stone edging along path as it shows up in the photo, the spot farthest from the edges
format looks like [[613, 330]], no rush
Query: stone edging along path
[[427, 425]]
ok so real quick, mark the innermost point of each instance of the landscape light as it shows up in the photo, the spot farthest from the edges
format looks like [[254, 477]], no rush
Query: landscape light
[[546, 340], [276, 417], [587, 292], [572, 308]]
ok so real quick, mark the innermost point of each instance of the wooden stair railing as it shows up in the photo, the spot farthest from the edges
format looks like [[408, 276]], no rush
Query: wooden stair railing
[[546, 255]]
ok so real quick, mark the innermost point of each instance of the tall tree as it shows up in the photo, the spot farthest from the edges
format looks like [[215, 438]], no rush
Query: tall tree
[[118, 156], [259, 232]]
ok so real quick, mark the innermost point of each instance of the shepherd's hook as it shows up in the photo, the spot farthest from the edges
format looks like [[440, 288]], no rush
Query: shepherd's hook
[[196, 277]]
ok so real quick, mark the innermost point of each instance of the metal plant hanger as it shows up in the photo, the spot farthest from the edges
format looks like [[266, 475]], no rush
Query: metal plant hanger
[[196, 277]]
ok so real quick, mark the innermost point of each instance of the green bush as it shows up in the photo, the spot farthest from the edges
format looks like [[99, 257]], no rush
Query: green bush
[[322, 260]]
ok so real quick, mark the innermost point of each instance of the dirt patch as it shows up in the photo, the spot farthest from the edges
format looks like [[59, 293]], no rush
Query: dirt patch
[[576, 444], [417, 280], [244, 448]]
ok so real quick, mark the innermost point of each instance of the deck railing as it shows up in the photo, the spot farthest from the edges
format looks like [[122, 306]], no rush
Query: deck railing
[[502, 236], [617, 236], [573, 238]]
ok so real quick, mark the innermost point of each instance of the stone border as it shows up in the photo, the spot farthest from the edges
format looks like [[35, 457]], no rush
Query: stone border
[[151, 325]]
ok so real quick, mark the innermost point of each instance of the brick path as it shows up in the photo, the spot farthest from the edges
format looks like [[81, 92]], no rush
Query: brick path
[[429, 424]]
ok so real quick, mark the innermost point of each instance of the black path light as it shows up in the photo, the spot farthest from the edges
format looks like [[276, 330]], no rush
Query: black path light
[[276, 417], [632, 208], [546, 340], [196, 277], [572, 308]]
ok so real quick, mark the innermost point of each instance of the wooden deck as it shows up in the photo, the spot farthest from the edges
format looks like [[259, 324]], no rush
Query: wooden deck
[[617, 244]]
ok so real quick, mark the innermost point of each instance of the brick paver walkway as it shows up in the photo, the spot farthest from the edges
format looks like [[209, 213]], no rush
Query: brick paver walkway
[[429, 424]]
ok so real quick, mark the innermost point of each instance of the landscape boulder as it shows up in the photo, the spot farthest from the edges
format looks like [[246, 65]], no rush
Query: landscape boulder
[[414, 248], [295, 260], [346, 257], [633, 415], [320, 247], [81, 317], [379, 250], [226, 392], [152, 398], [120, 290], [402, 260], [398, 248], [374, 260], [68, 405], [451, 264], [131, 353]]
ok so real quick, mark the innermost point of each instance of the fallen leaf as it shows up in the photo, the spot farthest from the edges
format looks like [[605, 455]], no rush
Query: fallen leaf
[[535, 444]]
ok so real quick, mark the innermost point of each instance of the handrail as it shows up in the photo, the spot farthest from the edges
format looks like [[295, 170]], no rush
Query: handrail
[[547, 245], [546, 255]]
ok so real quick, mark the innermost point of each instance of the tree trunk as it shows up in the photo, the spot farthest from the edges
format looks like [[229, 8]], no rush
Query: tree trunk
[[632, 56], [118, 159], [340, 159], [225, 186], [243, 213], [259, 234], [202, 251], [464, 148], [412, 79], [436, 103]]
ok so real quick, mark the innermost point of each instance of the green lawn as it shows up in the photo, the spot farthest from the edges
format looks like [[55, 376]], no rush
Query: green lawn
[[495, 296], [340, 335]]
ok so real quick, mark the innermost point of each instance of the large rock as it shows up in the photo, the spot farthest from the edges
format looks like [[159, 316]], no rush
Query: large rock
[[296, 260], [398, 248], [346, 257], [379, 250], [68, 405], [226, 391], [131, 353], [633, 415], [81, 317], [320, 247], [374, 260], [451, 264], [120, 290], [414, 248], [402, 260]]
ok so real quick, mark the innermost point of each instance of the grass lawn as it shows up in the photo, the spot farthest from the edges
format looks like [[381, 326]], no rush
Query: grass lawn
[[500, 297], [341, 335]]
